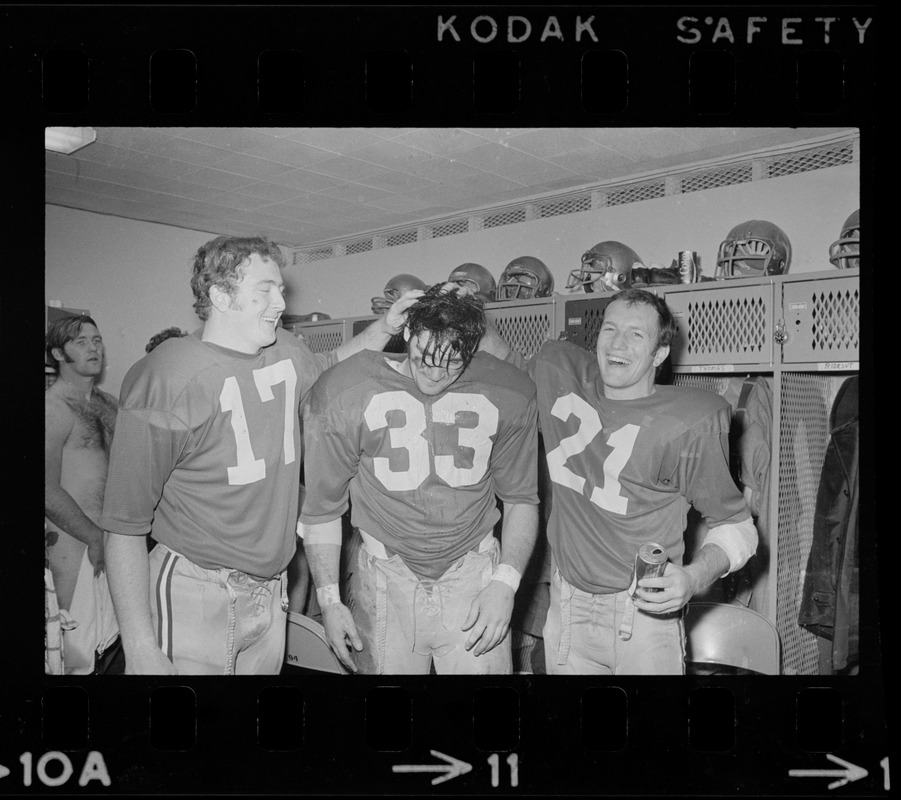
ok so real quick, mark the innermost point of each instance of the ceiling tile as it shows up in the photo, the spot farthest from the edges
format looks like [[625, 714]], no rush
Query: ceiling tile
[[393, 181], [547, 143], [336, 140], [306, 181], [187, 151], [290, 152], [355, 193], [401, 204], [391, 155], [235, 140], [441, 141], [273, 192], [346, 168], [497, 134], [440, 169], [259, 168], [219, 179]]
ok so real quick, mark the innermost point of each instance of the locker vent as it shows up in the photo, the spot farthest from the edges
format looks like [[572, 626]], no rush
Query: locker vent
[[323, 341], [835, 321], [732, 325], [524, 332]]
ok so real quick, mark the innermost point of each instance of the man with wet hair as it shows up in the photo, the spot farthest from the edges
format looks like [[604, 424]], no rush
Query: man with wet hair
[[421, 446]]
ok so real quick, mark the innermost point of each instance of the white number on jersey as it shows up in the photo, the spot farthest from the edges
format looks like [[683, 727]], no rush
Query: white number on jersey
[[622, 441], [250, 469], [409, 437]]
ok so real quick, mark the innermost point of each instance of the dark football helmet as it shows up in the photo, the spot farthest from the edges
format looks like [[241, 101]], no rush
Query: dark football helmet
[[845, 253], [477, 278], [525, 278], [397, 286], [754, 249], [606, 267]]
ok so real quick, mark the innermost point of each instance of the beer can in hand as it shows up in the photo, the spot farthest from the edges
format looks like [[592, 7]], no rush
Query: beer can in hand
[[688, 266], [650, 562]]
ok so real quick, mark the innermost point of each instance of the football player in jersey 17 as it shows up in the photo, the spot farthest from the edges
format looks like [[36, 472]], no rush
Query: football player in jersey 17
[[626, 457], [207, 457], [422, 446]]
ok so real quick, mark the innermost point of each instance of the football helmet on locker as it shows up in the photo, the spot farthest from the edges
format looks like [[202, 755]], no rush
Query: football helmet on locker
[[397, 286], [477, 278], [606, 267], [525, 278], [845, 253], [753, 249]]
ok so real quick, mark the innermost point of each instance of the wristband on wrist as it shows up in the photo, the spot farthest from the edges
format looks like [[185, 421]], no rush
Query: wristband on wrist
[[507, 574], [328, 595]]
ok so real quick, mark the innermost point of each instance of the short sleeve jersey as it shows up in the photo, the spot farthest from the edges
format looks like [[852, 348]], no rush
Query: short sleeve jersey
[[625, 472], [207, 451], [422, 473]]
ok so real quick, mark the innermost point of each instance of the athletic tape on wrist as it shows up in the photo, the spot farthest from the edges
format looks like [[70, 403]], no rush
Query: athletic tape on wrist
[[328, 595], [507, 574], [313, 536]]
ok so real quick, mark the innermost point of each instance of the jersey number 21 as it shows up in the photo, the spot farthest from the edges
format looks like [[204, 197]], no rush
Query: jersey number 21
[[609, 496]]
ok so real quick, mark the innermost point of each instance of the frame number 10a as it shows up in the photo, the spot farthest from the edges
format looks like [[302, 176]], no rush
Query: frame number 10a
[[495, 761]]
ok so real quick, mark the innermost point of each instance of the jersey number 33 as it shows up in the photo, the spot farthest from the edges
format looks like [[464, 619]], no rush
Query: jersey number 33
[[410, 437]]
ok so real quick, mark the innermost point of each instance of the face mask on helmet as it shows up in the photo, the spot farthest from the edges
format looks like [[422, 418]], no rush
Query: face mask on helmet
[[476, 278], [754, 249], [845, 253], [395, 287], [525, 278], [607, 267]]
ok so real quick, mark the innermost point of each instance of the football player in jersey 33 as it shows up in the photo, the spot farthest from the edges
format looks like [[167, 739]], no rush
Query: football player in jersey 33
[[207, 457], [422, 446], [626, 458]]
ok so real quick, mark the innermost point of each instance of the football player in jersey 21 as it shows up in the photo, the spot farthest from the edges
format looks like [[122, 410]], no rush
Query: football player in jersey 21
[[626, 458]]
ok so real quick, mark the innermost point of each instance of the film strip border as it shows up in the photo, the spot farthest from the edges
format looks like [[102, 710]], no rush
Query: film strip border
[[489, 65], [691, 64], [540, 737]]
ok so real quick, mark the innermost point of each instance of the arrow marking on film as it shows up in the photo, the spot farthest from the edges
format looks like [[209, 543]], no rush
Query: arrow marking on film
[[851, 772], [452, 769]]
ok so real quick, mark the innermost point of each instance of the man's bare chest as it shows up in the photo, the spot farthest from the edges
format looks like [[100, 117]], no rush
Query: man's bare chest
[[94, 423]]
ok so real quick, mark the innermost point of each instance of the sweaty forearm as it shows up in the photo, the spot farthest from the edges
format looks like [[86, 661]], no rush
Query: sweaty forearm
[[322, 545], [710, 563], [128, 573], [374, 337], [518, 535], [62, 510]]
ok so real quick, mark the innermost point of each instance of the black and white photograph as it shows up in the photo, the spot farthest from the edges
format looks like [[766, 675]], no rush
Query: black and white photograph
[[488, 448], [750, 237]]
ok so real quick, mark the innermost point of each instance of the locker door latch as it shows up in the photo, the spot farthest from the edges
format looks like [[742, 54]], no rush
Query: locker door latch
[[780, 335]]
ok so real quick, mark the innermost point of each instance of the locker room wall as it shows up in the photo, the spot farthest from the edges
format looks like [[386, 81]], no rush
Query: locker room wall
[[134, 276], [810, 207]]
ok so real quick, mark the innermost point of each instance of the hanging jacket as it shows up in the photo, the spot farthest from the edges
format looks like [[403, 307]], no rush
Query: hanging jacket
[[831, 588]]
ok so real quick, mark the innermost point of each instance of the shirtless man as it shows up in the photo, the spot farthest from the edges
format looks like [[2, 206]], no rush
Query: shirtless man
[[79, 421]]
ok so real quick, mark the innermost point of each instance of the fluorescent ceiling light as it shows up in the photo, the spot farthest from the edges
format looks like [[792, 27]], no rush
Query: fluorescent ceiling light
[[68, 140]]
